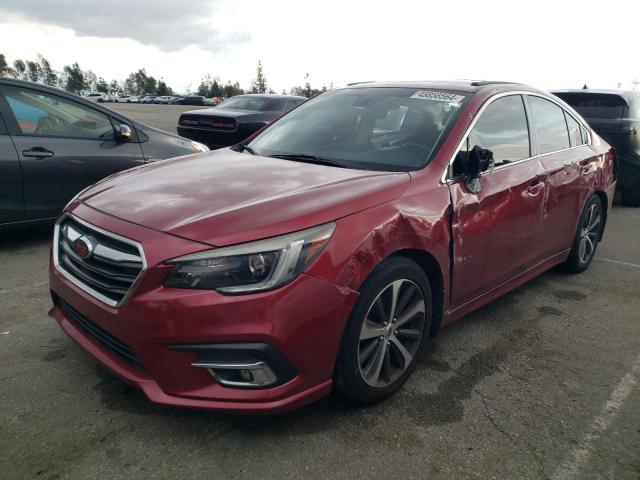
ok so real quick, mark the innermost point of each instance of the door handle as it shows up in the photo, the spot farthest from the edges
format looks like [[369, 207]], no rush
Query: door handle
[[535, 187], [38, 153]]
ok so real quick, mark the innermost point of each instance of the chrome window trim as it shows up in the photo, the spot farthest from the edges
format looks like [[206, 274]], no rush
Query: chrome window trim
[[82, 286], [490, 100]]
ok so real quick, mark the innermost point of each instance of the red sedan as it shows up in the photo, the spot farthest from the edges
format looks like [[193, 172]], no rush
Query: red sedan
[[324, 252]]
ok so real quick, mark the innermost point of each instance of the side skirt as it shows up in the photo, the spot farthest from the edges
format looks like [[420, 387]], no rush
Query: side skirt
[[498, 291]]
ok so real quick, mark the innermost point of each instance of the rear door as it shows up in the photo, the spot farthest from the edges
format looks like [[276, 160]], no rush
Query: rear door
[[63, 146], [496, 231], [571, 169], [11, 206]]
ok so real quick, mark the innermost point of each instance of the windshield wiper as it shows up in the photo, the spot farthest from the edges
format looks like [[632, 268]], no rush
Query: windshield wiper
[[303, 157]]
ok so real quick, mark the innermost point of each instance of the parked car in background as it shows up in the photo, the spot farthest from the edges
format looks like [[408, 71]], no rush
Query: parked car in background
[[54, 144], [124, 98], [615, 115], [148, 99], [135, 98], [325, 252], [109, 97], [190, 100], [235, 119], [95, 96], [164, 99]]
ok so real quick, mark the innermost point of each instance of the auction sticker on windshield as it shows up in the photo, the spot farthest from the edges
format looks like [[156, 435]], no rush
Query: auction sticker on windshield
[[438, 96]]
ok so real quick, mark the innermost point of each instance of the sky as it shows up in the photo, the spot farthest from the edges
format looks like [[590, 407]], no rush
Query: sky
[[548, 43]]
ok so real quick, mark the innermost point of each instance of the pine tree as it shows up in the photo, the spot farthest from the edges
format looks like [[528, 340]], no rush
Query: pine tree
[[259, 84]]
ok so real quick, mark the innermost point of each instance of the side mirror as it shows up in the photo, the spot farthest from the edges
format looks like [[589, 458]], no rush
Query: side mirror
[[479, 160], [123, 133]]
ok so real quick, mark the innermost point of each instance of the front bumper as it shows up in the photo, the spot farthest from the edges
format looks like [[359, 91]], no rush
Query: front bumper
[[165, 327]]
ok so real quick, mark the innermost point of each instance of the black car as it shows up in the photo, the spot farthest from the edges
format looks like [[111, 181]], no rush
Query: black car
[[189, 100], [615, 116], [54, 144], [235, 119]]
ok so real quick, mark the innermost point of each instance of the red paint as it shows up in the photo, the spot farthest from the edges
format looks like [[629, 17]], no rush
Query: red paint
[[520, 224]]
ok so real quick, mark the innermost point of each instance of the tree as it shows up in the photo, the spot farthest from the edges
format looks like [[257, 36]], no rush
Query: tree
[[150, 85], [308, 91], [114, 86], [230, 90], [48, 75], [163, 89], [5, 69], [34, 72], [101, 86], [90, 80], [139, 82], [259, 84], [20, 68], [74, 78]]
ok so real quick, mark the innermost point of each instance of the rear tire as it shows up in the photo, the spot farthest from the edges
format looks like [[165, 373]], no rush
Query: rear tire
[[389, 324], [587, 236], [631, 197]]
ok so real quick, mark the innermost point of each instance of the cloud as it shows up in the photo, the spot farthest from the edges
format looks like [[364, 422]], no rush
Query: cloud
[[168, 25]]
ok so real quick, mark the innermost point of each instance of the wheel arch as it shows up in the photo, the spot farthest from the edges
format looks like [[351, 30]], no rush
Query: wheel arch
[[605, 210], [432, 269]]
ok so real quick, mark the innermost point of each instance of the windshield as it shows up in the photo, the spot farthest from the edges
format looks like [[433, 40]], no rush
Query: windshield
[[383, 128]]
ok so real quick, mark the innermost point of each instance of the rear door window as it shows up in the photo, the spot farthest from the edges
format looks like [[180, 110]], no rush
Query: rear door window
[[550, 125]]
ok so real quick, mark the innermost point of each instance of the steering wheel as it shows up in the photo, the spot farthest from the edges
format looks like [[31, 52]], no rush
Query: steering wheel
[[48, 125]]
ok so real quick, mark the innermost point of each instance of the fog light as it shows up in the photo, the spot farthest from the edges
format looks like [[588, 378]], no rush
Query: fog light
[[245, 375]]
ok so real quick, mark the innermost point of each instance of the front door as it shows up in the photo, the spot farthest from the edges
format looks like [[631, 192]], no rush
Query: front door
[[11, 206], [496, 232], [63, 146]]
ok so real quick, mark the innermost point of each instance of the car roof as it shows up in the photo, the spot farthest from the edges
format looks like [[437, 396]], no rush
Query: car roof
[[470, 86], [628, 96]]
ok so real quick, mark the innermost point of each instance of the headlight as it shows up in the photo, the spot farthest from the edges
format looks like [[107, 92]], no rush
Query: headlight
[[251, 267], [199, 147]]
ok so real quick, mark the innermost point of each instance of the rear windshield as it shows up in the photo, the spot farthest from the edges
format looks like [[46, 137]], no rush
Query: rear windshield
[[257, 104], [596, 105], [376, 128]]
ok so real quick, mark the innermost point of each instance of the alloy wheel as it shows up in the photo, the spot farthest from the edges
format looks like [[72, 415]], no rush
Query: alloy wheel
[[589, 233], [391, 333]]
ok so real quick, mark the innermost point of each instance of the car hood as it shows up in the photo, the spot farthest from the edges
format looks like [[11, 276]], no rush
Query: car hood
[[225, 197]]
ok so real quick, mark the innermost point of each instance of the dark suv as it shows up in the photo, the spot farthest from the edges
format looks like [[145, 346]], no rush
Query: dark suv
[[235, 119], [615, 115], [54, 144]]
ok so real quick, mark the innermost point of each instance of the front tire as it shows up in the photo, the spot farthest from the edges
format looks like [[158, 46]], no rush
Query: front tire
[[587, 237], [388, 325]]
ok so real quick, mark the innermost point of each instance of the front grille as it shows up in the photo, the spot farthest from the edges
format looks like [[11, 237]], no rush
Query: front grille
[[209, 122], [118, 347], [110, 267]]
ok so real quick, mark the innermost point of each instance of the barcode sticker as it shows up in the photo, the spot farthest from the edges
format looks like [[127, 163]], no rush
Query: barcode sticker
[[438, 96]]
